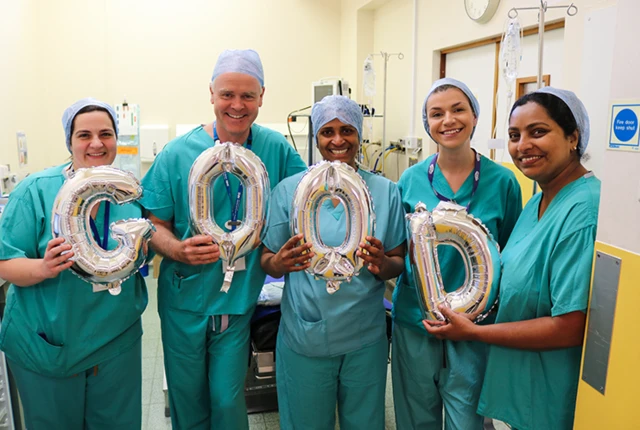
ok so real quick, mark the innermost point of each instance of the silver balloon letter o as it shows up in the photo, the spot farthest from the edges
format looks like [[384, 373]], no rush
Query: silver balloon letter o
[[333, 180], [81, 191], [249, 169], [451, 224]]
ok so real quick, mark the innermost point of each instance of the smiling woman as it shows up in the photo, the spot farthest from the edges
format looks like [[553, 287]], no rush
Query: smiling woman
[[335, 343], [532, 371], [338, 141], [545, 142], [490, 193], [60, 363], [93, 138]]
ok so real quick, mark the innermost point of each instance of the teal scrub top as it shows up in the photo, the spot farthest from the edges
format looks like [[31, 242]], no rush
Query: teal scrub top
[[60, 327], [166, 195], [546, 272], [497, 203], [318, 324]]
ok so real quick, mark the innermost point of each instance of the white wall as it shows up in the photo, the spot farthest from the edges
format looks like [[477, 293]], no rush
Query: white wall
[[20, 83], [392, 34], [620, 198], [475, 67], [159, 54]]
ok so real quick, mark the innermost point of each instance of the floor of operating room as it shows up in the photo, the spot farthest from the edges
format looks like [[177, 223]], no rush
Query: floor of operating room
[[153, 403]]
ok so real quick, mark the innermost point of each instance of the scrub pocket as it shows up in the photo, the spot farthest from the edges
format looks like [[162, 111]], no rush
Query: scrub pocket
[[185, 293], [30, 349], [304, 337]]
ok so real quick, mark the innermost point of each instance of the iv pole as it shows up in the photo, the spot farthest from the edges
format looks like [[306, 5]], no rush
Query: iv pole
[[542, 9], [385, 56]]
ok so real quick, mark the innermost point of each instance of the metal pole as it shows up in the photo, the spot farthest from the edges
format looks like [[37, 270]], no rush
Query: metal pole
[[384, 108], [310, 143], [414, 71], [540, 53], [543, 6]]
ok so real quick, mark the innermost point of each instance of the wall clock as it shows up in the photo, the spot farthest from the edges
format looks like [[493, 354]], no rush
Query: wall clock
[[481, 11]]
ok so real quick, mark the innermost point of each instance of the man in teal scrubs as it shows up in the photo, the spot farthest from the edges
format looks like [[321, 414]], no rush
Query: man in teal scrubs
[[332, 348], [75, 353], [205, 332], [429, 373]]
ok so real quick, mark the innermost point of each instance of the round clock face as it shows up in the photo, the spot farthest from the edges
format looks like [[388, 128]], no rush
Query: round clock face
[[481, 10]]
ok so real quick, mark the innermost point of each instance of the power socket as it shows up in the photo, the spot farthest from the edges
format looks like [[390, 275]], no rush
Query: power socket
[[411, 142]]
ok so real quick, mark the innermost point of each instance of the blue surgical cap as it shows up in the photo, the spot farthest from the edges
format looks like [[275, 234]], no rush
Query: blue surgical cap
[[336, 107], [577, 109], [245, 61], [71, 112], [475, 106]]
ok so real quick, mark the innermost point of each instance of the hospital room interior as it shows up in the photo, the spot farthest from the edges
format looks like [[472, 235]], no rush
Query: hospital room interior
[[152, 60]]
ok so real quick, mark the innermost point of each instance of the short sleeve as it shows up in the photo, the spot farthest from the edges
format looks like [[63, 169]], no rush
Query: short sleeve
[[157, 196], [19, 229], [401, 188], [396, 232], [278, 219], [571, 263], [293, 162], [513, 209]]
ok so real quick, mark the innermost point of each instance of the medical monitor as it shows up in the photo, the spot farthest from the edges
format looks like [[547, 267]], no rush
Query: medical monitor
[[328, 87]]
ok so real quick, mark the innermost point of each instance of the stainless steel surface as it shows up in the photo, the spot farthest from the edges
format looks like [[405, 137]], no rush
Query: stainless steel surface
[[604, 294]]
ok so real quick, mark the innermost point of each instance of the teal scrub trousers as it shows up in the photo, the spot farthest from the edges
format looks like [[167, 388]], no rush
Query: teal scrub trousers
[[105, 397], [310, 388], [206, 363], [423, 382]]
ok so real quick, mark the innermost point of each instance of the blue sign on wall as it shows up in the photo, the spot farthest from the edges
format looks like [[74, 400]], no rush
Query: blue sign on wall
[[624, 133]]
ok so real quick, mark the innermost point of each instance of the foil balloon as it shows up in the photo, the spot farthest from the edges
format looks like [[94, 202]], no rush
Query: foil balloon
[[450, 224], [229, 158], [339, 181], [81, 191]]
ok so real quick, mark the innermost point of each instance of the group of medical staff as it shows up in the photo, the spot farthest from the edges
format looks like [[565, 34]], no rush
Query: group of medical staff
[[76, 354]]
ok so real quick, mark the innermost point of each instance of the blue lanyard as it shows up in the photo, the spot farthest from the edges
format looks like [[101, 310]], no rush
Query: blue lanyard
[[476, 178], [235, 207], [94, 229]]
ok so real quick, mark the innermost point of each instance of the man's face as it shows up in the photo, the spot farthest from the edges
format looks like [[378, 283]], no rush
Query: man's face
[[236, 100]]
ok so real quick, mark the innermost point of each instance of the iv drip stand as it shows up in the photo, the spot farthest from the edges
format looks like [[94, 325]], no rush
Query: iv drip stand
[[385, 56], [542, 9]]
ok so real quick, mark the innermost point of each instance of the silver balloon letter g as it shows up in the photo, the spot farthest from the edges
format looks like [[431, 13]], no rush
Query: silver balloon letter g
[[71, 211]]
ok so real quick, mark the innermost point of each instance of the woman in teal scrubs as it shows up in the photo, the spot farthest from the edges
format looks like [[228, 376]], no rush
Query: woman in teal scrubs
[[332, 348], [532, 371], [75, 353], [428, 373]]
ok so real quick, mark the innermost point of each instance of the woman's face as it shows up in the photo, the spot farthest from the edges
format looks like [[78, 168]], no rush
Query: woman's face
[[538, 145], [93, 141], [450, 118], [338, 141]]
